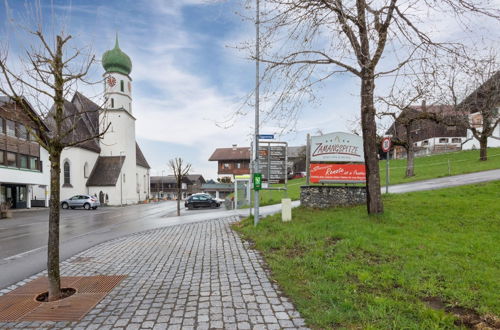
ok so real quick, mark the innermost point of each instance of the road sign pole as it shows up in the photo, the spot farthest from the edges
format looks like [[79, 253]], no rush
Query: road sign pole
[[257, 85], [387, 172]]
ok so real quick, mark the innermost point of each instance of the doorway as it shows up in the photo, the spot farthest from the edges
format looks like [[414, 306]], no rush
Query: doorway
[[16, 196]]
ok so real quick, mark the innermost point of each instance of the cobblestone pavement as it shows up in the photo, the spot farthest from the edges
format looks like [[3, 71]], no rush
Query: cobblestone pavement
[[192, 276]]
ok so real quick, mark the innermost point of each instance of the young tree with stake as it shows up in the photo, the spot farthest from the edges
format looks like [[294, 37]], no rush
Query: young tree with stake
[[50, 72], [180, 170]]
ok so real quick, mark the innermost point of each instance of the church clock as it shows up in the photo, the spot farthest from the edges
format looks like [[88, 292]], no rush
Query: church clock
[[111, 81]]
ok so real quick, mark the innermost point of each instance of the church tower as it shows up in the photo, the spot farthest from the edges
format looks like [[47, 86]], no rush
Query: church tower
[[117, 82], [119, 140]]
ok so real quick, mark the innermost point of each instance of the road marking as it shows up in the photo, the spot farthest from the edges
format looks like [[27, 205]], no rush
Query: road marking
[[20, 255]]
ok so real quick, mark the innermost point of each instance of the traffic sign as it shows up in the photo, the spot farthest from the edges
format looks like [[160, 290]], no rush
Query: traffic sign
[[266, 136], [386, 144], [257, 181]]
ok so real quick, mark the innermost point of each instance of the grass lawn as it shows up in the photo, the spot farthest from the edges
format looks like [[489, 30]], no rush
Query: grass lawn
[[343, 268], [436, 166]]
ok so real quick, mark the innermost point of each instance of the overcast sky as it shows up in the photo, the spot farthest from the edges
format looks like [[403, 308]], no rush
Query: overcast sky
[[188, 77]]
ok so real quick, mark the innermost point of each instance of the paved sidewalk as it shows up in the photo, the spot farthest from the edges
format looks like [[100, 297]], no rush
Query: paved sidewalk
[[191, 276]]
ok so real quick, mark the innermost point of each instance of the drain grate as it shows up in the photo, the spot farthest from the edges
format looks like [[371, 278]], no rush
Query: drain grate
[[20, 304]]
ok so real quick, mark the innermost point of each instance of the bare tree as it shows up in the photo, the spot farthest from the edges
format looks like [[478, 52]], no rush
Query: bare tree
[[305, 42], [49, 72], [474, 89], [180, 170]]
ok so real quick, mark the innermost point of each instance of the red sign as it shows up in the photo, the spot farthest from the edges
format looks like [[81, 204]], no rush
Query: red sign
[[337, 172], [386, 144]]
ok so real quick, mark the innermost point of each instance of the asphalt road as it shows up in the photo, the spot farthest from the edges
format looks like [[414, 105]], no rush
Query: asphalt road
[[445, 182], [23, 239]]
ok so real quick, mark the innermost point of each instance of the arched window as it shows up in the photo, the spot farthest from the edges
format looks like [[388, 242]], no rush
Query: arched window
[[67, 173], [86, 170], [122, 85]]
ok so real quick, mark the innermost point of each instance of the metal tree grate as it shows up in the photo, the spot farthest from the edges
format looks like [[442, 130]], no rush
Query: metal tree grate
[[20, 304]]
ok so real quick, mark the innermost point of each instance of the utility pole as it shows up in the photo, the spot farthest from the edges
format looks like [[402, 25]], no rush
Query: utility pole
[[257, 85]]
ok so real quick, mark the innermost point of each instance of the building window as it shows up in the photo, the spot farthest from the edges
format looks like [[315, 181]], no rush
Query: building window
[[2, 130], [67, 173], [112, 103], [123, 177], [86, 170], [456, 140], [122, 86], [443, 140], [34, 163], [225, 165], [2, 159], [425, 143], [11, 128], [33, 134], [11, 159], [238, 165], [23, 161], [22, 132]]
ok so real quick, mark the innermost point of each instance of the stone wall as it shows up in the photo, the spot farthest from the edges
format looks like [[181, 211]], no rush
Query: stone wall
[[331, 196]]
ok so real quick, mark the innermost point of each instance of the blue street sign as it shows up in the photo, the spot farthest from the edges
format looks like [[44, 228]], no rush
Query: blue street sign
[[266, 136]]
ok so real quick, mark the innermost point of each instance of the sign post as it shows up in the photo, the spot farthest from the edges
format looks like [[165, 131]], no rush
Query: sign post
[[386, 147]]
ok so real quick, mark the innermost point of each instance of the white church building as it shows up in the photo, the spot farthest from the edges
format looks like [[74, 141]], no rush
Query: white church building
[[112, 168]]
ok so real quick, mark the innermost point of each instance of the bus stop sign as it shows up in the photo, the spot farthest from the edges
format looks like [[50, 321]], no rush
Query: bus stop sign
[[257, 181]]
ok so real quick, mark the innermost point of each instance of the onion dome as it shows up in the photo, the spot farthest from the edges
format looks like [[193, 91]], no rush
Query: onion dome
[[115, 60]]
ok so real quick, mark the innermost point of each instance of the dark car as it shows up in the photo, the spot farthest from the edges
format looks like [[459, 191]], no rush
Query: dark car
[[200, 200]]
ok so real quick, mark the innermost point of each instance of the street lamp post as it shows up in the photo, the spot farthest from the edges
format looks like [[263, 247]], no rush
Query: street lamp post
[[256, 137]]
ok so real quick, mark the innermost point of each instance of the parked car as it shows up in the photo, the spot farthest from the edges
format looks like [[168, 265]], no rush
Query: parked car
[[200, 200], [86, 201]]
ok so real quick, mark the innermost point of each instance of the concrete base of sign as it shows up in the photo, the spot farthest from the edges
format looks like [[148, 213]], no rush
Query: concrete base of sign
[[321, 197], [286, 209]]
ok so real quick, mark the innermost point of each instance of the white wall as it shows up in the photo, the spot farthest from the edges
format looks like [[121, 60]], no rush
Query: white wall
[[143, 183], [77, 157], [14, 175], [474, 143]]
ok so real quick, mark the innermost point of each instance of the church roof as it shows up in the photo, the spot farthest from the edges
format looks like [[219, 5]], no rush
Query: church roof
[[139, 157], [106, 171], [115, 60], [82, 114]]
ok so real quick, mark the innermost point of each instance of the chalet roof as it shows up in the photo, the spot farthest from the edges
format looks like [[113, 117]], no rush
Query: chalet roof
[[425, 128], [83, 114], [106, 171], [231, 154], [486, 95], [196, 177], [168, 179], [139, 157]]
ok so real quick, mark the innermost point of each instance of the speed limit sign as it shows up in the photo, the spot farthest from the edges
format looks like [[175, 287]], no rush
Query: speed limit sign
[[386, 144]]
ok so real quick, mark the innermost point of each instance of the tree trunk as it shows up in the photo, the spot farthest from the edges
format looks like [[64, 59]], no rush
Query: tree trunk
[[373, 194], [483, 148], [410, 161], [410, 151], [179, 199], [53, 243]]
